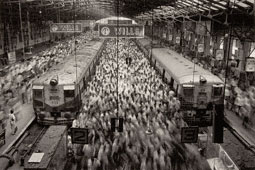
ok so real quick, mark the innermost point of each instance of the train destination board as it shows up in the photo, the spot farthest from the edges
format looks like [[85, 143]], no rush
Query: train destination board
[[79, 135], [121, 31], [65, 27], [189, 134]]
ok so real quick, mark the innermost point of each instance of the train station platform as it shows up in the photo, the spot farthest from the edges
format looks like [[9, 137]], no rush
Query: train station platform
[[25, 118], [236, 123], [247, 135]]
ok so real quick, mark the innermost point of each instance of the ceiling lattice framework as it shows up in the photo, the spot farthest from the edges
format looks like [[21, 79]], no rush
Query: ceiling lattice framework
[[162, 10]]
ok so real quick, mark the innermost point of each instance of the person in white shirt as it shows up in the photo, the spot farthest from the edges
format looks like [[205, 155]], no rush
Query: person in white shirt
[[12, 120]]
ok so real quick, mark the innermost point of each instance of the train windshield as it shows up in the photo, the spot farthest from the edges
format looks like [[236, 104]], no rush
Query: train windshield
[[38, 92], [69, 91], [217, 90], [188, 90]]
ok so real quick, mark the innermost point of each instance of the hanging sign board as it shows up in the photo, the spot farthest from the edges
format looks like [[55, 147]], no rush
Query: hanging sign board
[[189, 134], [178, 40], [250, 65], [79, 135], [164, 35], [219, 54], [170, 37], [200, 117], [12, 57], [65, 27], [200, 48], [122, 31]]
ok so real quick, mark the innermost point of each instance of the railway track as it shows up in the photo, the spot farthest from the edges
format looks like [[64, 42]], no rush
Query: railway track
[[23, 147]]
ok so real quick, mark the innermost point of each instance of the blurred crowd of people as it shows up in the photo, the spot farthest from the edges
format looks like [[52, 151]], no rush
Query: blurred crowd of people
[[239, 92], [15, 85], [241, 102], [125, 85]]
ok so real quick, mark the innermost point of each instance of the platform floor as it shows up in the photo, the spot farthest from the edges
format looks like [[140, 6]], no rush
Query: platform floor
[[26, 117], [247, 133]]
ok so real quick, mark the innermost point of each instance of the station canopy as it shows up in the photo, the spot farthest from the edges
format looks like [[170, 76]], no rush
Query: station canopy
[[65, 10], [105, 20]]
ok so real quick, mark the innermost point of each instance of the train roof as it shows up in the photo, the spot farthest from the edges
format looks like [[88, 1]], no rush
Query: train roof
[[179, 67], [182, 69], [65, 71]]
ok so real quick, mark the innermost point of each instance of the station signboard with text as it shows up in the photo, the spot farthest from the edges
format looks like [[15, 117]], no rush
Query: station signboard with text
[[65, 27], [121, 31]]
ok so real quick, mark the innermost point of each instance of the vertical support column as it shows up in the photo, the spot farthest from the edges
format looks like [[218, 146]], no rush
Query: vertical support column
[[1, 29], [246, 46], [21, 29], [207, 46], [29, 30]]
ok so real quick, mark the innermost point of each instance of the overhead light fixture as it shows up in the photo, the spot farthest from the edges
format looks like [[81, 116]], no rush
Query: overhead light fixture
[[226, 20], [209, 15]]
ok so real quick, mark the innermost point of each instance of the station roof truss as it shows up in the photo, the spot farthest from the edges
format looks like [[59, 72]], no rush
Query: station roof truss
[[206, 8], [241, 12]]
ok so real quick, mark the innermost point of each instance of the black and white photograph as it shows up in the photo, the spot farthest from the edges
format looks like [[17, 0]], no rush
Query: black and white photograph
[[127, 84]]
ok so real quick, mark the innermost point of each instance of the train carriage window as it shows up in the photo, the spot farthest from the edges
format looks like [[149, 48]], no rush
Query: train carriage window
[[69, 91], [38, 92], [217, 90], [188, 90]]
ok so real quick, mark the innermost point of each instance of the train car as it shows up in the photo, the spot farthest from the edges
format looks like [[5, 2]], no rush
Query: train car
[[57, 93], [197, 88]]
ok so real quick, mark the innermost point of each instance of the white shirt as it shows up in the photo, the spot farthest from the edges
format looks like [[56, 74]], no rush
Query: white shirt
[[12, 118]]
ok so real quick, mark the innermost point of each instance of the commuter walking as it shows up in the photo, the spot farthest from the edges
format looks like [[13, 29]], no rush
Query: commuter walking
[[12, 120]]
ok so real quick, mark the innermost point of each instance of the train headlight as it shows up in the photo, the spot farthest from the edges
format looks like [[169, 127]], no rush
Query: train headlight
[[202, 80], [53, 82]]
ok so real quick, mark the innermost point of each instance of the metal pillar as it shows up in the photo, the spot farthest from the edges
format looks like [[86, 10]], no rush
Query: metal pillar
[[21, 29]]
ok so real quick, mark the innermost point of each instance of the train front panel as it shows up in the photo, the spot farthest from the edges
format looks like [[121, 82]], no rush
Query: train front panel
[[197, 102], [55, 104]]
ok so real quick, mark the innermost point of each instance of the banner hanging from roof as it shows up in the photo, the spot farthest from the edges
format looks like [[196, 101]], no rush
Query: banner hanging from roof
[[65, 27], [121, 31]]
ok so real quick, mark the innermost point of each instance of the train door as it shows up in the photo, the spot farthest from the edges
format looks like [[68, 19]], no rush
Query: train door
[[84, 83], [163, 75], [154, 64], [38, 97], [90, 74], [172, 83]]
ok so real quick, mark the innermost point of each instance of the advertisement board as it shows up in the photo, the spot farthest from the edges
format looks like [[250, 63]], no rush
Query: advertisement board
[[65, 27], [121, 31]]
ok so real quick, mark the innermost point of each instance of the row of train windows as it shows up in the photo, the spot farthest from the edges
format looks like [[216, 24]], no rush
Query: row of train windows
[[39, 93]]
